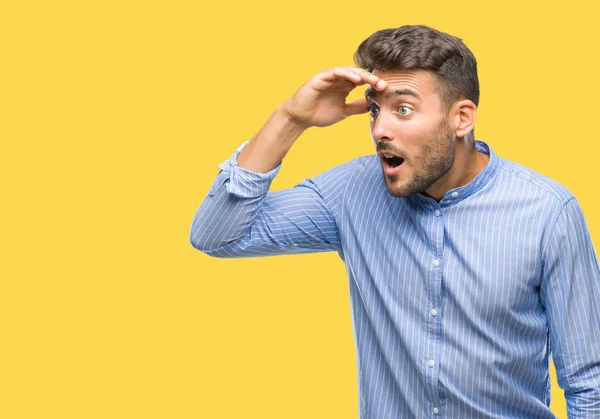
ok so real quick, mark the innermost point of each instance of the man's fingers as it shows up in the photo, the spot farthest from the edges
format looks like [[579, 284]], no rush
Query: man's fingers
[[340, 73], [369, 78], [358, 76], [357, 107]]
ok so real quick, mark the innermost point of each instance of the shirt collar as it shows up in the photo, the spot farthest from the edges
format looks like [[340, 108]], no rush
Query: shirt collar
[[456, 195]]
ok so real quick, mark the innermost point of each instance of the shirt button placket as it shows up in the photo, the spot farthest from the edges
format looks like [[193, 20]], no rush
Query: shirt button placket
[[433, 312]]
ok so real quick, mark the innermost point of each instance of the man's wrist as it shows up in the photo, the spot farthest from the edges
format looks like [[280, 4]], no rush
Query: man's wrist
[[293, 122]]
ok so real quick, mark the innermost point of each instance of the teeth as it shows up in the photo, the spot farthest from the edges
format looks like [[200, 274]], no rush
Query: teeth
[[388, 156]]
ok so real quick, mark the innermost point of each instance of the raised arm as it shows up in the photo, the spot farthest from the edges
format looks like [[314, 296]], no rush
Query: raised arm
[[239, 218], [318, 103]]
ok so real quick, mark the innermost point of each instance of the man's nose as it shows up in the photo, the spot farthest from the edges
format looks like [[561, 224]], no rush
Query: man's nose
[[381, 129]]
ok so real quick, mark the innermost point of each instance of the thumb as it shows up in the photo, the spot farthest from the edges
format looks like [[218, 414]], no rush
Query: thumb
[[357, 107]]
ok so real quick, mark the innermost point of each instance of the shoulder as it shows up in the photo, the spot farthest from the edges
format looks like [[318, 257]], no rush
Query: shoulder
[[368, 164], [347, 173], [334, 183], [517, 176]]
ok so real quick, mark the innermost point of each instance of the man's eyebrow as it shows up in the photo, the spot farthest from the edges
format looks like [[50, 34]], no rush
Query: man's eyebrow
[[370, 94]]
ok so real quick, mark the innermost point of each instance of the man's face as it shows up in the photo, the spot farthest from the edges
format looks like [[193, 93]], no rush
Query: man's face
[[409, 124]]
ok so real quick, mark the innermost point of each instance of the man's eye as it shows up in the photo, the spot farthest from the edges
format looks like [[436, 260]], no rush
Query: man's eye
[[374, 110], [405, 110]]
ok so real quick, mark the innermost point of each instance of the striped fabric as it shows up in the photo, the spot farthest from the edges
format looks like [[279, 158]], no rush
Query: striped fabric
[[457, 306]]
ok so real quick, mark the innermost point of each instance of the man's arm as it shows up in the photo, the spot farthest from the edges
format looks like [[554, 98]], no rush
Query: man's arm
[[570, 291], [318, 103], [239, 218]]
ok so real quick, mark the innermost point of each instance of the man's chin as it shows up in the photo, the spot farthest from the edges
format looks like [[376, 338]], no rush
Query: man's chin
[[398, 188], [399, 193]]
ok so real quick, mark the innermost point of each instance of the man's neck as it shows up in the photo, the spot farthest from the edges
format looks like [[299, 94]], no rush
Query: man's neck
[[468, 163]]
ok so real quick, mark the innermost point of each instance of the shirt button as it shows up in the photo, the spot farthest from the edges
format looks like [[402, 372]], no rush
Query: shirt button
[[437, 213], [435, 411], [454, 194], [431, 363], [434, 312], [436, 262]]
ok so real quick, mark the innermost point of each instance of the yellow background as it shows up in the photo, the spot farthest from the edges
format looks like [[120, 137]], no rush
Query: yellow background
[[114, 116]]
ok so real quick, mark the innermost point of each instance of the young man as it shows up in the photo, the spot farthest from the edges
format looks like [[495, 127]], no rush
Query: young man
[[467, 271]]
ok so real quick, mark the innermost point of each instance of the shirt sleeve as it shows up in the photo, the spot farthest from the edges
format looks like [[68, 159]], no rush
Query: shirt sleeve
[[240, 218], [570, 292]]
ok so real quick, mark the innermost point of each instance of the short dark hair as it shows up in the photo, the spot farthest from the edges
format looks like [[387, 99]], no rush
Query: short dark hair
[[421, 47]]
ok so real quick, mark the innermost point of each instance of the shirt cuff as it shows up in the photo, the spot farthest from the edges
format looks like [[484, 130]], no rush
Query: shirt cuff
[[245, 183]]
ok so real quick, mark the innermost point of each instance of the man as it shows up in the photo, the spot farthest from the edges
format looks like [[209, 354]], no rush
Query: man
[[467, 271]]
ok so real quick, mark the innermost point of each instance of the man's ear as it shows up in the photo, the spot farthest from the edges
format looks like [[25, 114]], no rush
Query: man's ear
[[463, 117]]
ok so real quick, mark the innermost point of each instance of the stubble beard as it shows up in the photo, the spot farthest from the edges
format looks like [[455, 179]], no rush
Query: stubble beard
[[435, 160]]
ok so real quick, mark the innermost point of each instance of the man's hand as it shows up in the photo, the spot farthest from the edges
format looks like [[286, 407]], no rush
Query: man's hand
[[322, 100], [318, 103]]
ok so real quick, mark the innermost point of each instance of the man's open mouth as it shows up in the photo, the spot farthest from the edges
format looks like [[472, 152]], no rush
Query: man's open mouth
[[393, 161]]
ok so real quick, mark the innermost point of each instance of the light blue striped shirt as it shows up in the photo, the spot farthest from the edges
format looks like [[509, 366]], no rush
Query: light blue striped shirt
[[457, 305]]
